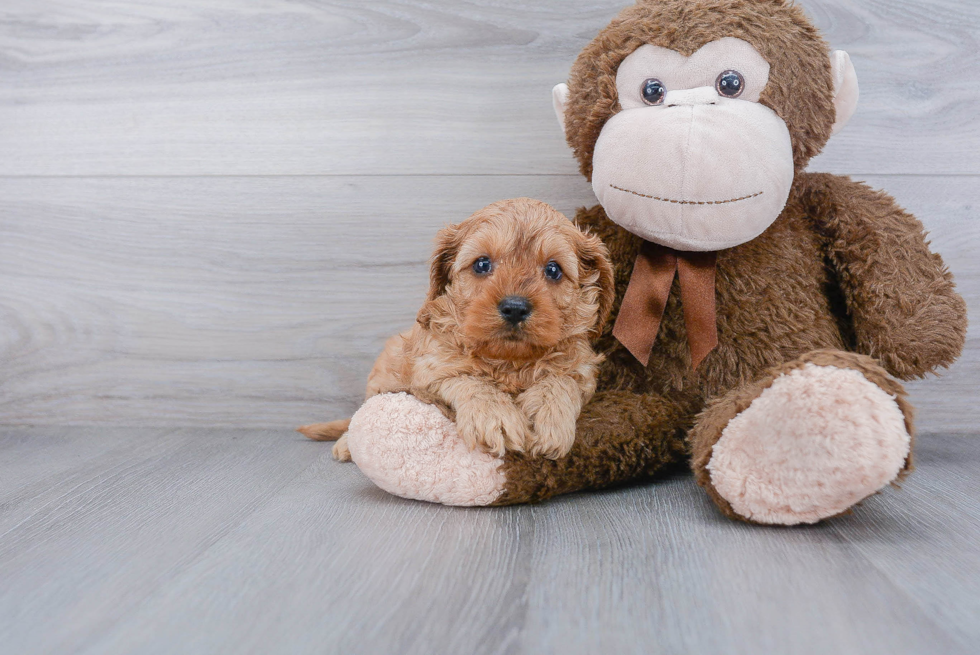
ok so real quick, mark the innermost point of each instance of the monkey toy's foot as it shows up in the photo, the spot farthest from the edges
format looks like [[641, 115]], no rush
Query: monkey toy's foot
[[410, 449], [807, 443]]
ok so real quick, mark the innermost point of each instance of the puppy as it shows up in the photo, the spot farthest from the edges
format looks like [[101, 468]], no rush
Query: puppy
[[501, 344]]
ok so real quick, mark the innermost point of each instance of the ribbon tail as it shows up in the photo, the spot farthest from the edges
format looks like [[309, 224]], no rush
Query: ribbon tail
[[696, 271], [646, 296]]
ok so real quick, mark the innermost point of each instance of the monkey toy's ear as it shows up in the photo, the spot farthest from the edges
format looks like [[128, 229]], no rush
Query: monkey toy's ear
[[845, 88], [559, 96]]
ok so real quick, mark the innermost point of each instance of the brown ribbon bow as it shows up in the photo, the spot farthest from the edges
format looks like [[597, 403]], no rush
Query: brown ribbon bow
[[646, 298]]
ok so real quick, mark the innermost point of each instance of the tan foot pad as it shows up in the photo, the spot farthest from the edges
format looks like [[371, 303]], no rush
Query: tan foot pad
[[410, 449], [814, 443]]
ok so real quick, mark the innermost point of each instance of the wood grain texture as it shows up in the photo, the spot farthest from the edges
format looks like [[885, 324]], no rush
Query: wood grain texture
[[85, 544], [194, 268], [264, 301], [237, 301], [938, 513], [164, 87], [203, 541]]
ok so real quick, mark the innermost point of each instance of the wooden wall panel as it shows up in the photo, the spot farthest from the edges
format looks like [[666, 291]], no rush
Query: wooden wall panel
[[213, 213], [437, 87], [263, 301]]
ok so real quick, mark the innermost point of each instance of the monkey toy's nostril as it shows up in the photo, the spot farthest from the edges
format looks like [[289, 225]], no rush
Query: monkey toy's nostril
[[514, 309]]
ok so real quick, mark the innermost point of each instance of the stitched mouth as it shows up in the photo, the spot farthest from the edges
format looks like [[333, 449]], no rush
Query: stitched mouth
[[687, 202]]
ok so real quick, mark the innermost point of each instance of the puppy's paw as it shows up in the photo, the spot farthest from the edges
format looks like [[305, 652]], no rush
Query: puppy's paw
[[494, 427], [340, 451], [554, 434], [515, 424]]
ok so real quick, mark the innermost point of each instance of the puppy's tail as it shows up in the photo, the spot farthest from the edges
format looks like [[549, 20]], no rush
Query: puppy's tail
[[325, 431]]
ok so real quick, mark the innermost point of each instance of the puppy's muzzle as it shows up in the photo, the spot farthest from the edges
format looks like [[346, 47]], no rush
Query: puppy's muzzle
[[515, 309]]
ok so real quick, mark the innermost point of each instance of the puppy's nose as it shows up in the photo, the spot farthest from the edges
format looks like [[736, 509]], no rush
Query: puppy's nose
[[515, 309]]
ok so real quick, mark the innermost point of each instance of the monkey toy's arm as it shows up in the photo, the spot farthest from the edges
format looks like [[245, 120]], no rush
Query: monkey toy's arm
[[899, 296]]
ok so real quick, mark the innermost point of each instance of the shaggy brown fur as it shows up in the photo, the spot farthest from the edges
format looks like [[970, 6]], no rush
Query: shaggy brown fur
[[843, 276], [508, 387]]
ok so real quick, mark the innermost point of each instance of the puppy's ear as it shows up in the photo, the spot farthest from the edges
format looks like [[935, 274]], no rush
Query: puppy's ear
[[597, 273], [448, 242]]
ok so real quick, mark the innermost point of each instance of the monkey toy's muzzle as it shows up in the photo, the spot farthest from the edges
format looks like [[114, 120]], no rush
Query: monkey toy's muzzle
[[700, 173]]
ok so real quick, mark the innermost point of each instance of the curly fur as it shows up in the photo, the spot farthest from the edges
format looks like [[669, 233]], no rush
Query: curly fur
[[507, 388]]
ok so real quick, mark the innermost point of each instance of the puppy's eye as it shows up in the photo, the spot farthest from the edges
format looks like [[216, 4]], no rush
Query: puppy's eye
[[653, 91], [730, 84], [552, 271], [482, 266]]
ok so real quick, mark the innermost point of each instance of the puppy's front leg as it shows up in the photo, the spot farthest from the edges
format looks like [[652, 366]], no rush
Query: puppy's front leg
[[553, 405], [485, 415]]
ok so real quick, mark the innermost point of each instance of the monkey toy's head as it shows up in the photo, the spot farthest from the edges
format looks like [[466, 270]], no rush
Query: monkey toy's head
[[692, 117]]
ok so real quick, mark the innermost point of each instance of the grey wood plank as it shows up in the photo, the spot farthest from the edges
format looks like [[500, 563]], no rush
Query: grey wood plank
[[264, 301], [332, 564], [86, 548], [924, 538], [33, 489], [204, 541], [171, 298], [31, 457], [407, 87], [659, 570], [348, 569]]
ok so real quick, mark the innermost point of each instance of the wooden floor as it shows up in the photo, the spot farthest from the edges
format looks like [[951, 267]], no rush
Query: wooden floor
[[212, 213], [255, 541]]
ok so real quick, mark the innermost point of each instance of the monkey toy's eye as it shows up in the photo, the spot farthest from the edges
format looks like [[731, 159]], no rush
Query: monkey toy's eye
[[653, 91], [482, 266], [730, 84], [552, 271]]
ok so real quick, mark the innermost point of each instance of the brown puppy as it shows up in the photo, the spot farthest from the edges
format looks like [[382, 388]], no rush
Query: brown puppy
[[502, 341]]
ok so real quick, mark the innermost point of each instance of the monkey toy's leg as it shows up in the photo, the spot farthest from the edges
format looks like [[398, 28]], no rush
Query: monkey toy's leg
[[806, 442], [620, 436], [412, 450]]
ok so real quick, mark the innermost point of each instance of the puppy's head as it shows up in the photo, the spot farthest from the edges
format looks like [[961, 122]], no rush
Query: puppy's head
[[520, 279]]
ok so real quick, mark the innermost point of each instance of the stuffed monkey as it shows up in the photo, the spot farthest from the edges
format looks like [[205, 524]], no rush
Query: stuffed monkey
[[763, 314]]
